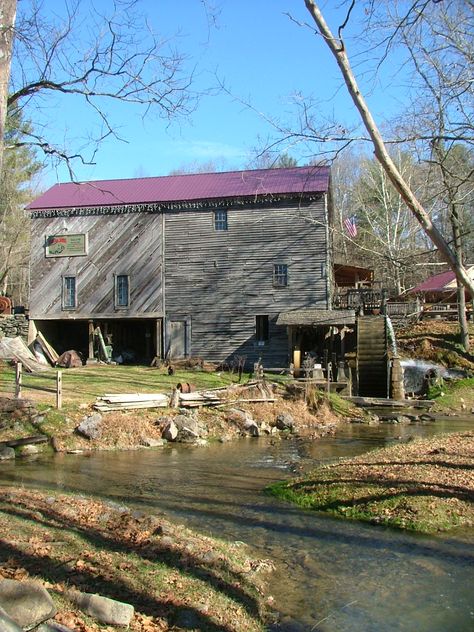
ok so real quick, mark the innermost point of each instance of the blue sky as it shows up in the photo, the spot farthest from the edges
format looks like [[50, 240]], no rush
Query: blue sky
[[263, 57]]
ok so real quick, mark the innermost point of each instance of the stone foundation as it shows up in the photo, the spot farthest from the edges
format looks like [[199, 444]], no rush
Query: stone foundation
[[13, 326]]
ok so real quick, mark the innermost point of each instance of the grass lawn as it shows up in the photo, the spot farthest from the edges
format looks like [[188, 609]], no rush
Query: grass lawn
[[85, 384], [426, 485], [454, 396]]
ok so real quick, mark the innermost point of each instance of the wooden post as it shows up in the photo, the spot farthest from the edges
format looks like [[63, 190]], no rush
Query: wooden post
[[342, 335], [91, 359], [297, 361], [18, 379], [159, 338], [59, 389]]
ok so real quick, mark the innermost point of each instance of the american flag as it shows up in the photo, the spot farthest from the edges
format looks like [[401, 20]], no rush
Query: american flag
[[350, 225]]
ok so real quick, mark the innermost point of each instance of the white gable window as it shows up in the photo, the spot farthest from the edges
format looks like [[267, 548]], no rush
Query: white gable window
[[220, 220]]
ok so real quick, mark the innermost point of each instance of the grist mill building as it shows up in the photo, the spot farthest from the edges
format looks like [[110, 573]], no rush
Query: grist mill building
[[195, 265]]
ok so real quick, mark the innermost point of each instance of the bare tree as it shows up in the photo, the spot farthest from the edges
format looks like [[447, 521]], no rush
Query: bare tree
[[97, 58], [7, 22], [337, 47], [442, 55]]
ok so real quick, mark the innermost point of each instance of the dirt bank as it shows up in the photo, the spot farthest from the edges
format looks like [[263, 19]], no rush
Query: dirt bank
[[137, 429]]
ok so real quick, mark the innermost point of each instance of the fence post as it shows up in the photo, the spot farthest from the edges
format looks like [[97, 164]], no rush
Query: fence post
[[18, 379], [59, 389]]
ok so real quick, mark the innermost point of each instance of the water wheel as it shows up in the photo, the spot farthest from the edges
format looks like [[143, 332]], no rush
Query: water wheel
[[372, 356]]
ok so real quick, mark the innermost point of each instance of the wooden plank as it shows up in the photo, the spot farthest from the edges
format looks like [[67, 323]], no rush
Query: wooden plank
[[14, 443], [376, 402], [133, 397], [130, 406], [51, 353]]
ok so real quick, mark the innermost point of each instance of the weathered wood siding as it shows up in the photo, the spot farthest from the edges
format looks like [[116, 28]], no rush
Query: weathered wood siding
[[118, 244], [222, 279]]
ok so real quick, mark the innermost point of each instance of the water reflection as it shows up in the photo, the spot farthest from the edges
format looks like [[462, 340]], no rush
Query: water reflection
[[331, 575]]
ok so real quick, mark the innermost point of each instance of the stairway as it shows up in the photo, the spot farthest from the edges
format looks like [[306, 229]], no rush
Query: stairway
[[372, 358]]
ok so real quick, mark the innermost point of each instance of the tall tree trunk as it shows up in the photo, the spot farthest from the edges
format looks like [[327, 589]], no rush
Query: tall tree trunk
[[336, 45], [7, 23], [461, 293]]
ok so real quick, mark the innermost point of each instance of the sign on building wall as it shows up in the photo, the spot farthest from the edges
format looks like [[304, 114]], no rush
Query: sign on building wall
[[66, 245]]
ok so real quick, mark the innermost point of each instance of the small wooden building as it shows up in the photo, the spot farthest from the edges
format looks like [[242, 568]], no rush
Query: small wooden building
[[178, 266]]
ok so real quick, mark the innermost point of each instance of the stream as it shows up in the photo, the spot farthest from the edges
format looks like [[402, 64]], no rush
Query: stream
[[332, 575]]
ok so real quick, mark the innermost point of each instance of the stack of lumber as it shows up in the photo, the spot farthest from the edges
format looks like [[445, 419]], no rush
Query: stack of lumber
[[202, 398], [126, 401], [213, 397], [220, 397]]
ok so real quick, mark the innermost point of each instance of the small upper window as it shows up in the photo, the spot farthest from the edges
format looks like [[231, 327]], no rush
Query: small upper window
[[122, 290], [69, 292], [280, 275], [220, 220]]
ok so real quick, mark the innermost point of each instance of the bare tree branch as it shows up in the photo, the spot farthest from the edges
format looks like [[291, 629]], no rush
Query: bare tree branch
[[380, 149]]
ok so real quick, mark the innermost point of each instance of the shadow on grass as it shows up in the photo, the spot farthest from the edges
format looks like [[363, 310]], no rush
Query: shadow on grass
[[219, 576], [396, 489], [48, 569]]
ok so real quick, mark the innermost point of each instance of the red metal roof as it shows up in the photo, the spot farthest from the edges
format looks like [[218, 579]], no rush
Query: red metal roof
[[442, 282], [200, 186], [435, 283]]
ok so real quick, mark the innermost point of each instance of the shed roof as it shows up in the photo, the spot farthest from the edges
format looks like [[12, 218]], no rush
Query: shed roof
[[190, 187], [314, 317], [442, 282]]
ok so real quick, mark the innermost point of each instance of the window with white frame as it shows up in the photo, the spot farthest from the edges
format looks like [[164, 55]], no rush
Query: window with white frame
[[122, 290], [69, 293], [220, 219], [280, 275]]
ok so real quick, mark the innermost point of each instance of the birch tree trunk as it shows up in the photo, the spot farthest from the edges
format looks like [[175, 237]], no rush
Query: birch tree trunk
[[336, 45]]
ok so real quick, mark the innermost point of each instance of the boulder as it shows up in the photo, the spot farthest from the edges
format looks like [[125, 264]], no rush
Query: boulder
[[201, 442], [27, 603], [28, 450], [52, 626], [183, 428], [103, 609], [239, 417], [7, 624], [150, 442], [91, 426], [6, 453], [170, 431], [251, 428], [69, 360], [284, 421], [188, 428]]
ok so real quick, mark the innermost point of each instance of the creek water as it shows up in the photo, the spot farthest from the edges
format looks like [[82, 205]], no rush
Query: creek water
[[332, 575]]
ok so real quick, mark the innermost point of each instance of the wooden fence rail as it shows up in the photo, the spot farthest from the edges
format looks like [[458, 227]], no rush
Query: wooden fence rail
[[57, 390]]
